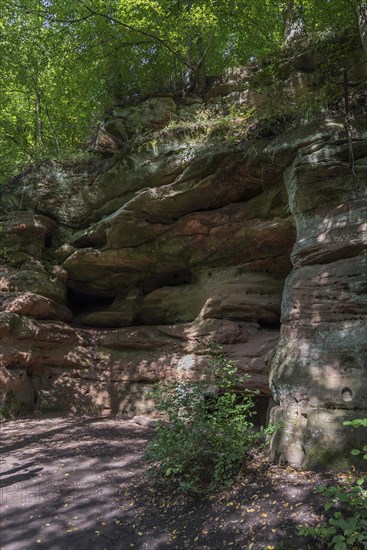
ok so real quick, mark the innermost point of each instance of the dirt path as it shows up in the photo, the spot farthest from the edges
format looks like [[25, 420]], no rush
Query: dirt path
[[81, 484]]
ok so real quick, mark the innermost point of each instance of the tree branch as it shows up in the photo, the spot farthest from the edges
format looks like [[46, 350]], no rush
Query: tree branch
[[139, 31], [54, 19], [21, 146]]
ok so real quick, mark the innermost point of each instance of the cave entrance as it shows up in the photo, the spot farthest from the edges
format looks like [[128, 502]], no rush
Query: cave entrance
[[261, 410], [262, 403], [79, 302], [270, 323]]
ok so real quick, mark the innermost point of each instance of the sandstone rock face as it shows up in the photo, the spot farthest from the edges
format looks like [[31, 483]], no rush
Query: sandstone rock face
[[318, 368], [117, 274], [123, 123], [166, 250]]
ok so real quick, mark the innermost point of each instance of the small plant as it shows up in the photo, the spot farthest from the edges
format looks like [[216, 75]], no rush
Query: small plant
[[347, 527], [235, 126], [209, 432], [47, 409], [11, 408]]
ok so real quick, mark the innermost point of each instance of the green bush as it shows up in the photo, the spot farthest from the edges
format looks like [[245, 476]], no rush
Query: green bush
[[203, 446], [11, 408], [347, 527]]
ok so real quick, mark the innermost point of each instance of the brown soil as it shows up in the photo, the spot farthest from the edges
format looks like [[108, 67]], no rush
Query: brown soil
[[82, 484]]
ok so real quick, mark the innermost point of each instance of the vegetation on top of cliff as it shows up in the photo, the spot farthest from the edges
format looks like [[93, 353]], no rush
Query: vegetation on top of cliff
[[301, 83], [64, 62]]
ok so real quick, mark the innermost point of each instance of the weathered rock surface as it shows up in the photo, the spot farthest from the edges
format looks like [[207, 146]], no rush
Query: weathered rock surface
[[110, 370], [318, 368], [123, 123], [117, 274], [185, 245]]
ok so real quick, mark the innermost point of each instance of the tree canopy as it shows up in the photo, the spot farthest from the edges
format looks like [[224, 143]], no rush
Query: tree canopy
[[62, 63]]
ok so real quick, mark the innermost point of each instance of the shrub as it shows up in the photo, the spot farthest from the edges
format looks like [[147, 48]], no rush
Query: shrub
[[347, 527], [10, 408], [209, 433]]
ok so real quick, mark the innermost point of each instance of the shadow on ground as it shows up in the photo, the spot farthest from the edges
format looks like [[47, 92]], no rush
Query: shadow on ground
[[71, 483]]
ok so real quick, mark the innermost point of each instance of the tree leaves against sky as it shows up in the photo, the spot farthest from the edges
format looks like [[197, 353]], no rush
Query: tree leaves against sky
[[63, 63]]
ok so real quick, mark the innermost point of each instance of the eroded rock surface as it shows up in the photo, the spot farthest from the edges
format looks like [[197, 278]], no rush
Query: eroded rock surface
[[158, 259], [318, 369], [117, 274]]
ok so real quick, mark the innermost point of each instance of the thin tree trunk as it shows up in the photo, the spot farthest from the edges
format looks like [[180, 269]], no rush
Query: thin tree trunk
[[294, 21], [195, 75], [189, 72], [200, 68], [39, 124], [362, 22], [54, 131]]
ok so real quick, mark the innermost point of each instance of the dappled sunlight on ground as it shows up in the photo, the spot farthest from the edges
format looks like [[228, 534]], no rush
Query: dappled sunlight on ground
[[81, 483]]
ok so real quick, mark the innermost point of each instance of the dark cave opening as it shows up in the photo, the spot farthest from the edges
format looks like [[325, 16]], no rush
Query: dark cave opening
[[88, 302], [261, 410], [79, 302], [260, 416], [269, 323]]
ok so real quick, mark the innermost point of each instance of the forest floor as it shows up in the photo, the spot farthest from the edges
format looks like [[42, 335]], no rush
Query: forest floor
[[82, 484]]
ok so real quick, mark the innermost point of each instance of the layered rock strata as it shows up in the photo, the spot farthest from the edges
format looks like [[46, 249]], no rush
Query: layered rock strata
[[118, 273], [157, 259], [318, 370]]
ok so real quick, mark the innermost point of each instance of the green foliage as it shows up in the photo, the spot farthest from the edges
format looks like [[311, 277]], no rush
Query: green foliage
[[205, 443], [43, 112], [62, 62], [11, 408], [346, 528], [45, 409], [9, 411]]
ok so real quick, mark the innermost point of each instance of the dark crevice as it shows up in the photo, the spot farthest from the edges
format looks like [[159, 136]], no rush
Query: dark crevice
[[97, 240], [79, 302], [261, 407], [49, 240], [173, 278], [269, 323], [331, 407]]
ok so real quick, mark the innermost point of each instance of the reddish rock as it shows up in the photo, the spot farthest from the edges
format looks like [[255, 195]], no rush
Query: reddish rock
[[120, 273]]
